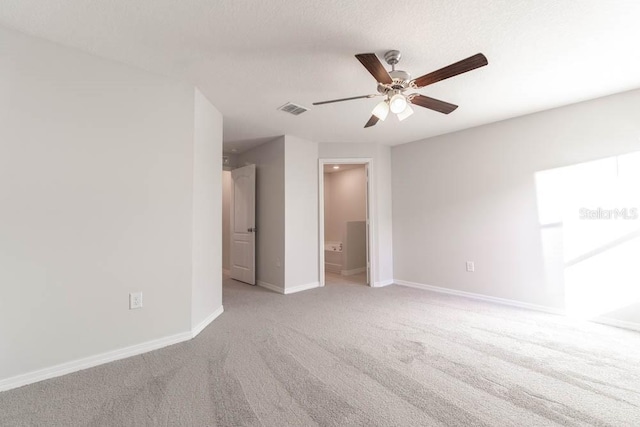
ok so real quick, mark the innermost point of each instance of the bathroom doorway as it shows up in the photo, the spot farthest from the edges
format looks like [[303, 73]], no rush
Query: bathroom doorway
[[345, 222]]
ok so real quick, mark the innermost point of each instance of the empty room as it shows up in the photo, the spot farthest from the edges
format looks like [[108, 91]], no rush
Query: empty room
[[296, 213]]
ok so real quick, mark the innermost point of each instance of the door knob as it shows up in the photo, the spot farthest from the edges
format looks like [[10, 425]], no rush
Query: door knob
[[252, 229]]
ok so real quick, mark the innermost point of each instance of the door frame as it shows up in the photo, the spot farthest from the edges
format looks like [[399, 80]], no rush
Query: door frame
[[371, 254]]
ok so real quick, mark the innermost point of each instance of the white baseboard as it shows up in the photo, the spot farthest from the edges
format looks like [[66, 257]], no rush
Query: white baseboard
[[288, 291], [513, 303], [353, 271], [383, 283], [617, 323], [200, 327], [481, 297], [270, 286], [300, 288], [110, 356], [91, 361]]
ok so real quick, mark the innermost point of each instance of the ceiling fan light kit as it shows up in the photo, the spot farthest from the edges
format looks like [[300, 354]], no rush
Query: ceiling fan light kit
[[406, 113], [392, 85], [397, 103], [381, 110]]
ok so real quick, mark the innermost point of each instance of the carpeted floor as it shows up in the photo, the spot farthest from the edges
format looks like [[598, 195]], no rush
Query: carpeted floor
[[353, 355]]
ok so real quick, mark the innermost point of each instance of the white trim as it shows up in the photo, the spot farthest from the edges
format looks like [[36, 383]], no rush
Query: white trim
[[288, 291], [383, 283], [353, 271], [109, 356], [513, 303], [200, 327], [300, 288], [481, 297], [91, 361], [373, 256], [270, 286], [617, 323]]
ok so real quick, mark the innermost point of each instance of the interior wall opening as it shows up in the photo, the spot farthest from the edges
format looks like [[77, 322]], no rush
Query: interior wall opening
[[228, 164], [345, 224]]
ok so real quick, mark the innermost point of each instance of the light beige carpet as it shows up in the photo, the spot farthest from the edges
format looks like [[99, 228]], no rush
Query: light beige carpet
[[353, 355]]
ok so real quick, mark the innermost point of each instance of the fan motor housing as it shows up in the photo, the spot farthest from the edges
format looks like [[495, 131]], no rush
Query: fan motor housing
[[392, 57], [400, 78]]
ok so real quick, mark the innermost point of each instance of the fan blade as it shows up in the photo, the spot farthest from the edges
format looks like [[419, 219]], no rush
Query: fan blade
[[346, 99], [432, 103], [375, 67], [372, 121], [471, 63]]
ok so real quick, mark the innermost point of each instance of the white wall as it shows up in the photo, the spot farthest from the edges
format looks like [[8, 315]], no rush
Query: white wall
[[345, 200], [270, 209], [381, 197], [287, 208], [286, 211], [472, 195], [206, 296], [96, 201], [226, 219], [301, 212]]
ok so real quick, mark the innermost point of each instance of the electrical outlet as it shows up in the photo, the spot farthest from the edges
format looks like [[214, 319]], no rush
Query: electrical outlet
[[471, 267], [135, 300]]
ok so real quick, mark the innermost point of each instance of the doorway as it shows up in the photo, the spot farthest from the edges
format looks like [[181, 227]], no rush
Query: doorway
[[345, 238]]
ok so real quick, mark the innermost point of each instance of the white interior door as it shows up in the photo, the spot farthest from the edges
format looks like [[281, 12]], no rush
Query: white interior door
[[243, 228]]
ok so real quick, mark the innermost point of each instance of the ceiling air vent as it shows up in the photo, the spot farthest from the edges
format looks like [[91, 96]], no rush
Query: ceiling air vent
[[294, 109]]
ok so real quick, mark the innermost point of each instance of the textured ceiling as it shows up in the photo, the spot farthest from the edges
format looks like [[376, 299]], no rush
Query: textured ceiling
[[250, 57]]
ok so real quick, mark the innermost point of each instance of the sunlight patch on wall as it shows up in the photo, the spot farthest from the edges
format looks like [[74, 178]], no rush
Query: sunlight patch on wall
[[597, 207]]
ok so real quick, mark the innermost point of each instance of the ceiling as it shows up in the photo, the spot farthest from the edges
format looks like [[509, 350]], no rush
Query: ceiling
[[342, 167], [250, 57]]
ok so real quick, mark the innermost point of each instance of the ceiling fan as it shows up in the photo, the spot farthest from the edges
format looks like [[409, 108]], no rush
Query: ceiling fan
[[392, 85]]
